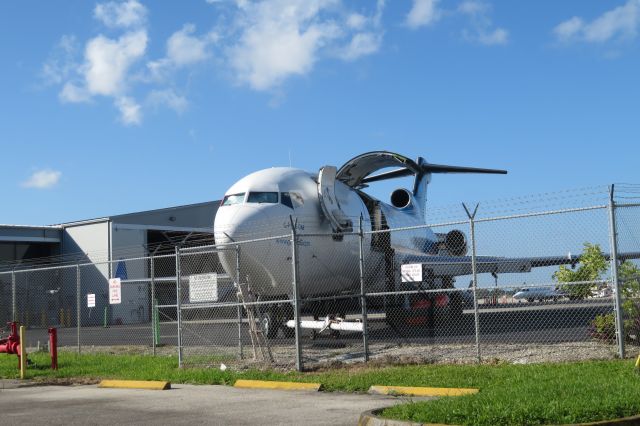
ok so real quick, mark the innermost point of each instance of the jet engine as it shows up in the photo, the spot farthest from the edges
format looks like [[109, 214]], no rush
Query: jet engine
[[453, 243], [401, 198]]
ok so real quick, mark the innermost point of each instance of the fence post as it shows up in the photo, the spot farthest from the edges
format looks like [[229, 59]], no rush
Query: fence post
[[613, 235], [296, 295], [238, 307], [78, 304], [179, 305], [14, 299], [474, 272], [154, 323], [363, 298]]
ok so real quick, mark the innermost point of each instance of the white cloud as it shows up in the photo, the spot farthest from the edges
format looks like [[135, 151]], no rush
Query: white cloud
[[183, 49], [43, 179], [361, 44], [105, 72], [75, 94], [622, 22], [125, 14], [279, 39], [481, 29], [423, 13], [356, 21], [169, 98], [130, 111], [263, 43], [61, 62], [569, 28], [471, 7], [107, 61], [497, 36]]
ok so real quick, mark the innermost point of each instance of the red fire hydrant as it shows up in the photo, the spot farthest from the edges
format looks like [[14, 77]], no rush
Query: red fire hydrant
[[11, 344]]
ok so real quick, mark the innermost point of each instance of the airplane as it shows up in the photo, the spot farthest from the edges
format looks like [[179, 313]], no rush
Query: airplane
[[327, 209]]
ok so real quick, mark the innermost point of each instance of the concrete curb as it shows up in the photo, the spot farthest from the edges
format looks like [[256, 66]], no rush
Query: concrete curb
[[420, 391], [371, 418], [135, 384], [264, 384]]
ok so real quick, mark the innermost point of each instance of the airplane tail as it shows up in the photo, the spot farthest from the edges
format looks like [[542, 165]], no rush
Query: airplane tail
[[420, 184]]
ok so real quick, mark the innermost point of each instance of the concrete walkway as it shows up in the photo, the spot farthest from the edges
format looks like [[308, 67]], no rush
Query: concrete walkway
[[184, 404]]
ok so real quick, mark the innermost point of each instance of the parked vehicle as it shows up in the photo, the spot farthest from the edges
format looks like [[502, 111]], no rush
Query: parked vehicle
[[531, 294]]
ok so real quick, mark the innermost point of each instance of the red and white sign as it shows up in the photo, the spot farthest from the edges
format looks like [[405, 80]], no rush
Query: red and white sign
[[91, 300], [115, 291]]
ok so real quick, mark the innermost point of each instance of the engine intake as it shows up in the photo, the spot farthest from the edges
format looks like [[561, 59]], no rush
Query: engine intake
[[400, 198], [455, 243]]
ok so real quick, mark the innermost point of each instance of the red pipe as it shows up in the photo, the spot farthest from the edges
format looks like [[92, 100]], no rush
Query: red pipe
[[11, 344], [53, 347]]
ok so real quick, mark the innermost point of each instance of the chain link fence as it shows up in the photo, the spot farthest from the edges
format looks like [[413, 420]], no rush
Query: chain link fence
[[498, 285]]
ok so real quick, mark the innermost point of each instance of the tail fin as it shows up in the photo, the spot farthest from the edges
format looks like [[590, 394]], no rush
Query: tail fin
[[420, 184]]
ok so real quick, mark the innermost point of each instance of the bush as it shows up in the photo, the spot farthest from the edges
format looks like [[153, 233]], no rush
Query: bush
[[603, 327]]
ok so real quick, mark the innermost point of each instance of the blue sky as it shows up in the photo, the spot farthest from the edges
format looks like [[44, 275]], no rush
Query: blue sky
[[113, 107]]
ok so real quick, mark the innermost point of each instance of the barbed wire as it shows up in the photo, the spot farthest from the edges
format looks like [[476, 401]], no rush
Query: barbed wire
[[501, 207]]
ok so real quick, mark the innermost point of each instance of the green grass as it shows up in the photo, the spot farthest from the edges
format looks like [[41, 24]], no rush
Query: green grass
[[535, 395], [510, 394]]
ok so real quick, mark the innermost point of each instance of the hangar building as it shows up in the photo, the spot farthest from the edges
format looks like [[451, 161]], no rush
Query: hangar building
[[103, 242]]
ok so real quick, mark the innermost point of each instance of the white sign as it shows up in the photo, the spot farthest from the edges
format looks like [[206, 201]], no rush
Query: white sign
[[203, 288], [115, 291], [91, 300], [411, 272]]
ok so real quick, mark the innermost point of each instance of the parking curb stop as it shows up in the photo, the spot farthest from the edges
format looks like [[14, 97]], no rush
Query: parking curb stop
[[135, 384], [420, 391], [264, 384]]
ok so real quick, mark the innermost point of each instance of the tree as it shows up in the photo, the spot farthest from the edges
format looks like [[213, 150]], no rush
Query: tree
[[593, 265], [629, 282]]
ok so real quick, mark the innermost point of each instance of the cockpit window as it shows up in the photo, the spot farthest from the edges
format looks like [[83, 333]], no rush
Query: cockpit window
[[285, 199], [263, 197], [233, 199]]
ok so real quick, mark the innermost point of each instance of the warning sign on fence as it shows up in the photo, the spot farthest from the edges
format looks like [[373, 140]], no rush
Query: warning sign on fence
[[115, 291], [91, 300], [203, 288], [411, 272]]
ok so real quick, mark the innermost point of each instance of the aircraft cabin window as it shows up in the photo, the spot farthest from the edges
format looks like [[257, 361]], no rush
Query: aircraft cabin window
[[285, 199], [233, 199], [263, 197]]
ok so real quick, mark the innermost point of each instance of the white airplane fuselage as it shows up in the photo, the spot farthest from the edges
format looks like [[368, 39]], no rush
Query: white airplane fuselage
[[262, 205]]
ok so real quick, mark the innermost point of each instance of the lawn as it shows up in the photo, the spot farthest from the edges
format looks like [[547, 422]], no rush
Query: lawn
[[509, 394]]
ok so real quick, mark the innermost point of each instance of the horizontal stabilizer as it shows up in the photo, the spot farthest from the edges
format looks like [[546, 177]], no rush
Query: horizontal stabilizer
[[430, 168]]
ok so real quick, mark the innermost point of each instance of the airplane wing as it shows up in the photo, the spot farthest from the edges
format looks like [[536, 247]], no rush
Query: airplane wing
[[462, 265]]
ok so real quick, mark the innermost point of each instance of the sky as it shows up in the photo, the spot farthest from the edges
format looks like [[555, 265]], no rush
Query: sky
[[121, 106]]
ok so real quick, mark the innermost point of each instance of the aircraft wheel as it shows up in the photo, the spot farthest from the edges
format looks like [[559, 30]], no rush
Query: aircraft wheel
[[455, 308], [289, 332], [530, 300], [287, 314]]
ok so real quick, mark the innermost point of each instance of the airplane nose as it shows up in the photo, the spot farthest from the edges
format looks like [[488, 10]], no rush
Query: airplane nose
[[241, 223]]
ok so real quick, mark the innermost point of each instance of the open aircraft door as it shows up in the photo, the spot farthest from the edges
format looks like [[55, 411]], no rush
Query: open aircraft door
[[329, 201]]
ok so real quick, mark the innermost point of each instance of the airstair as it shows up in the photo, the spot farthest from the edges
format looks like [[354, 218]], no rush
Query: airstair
[[259, 342]]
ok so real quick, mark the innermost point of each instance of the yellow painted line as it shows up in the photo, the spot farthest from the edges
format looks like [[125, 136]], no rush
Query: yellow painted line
[[135, 384], [263, 384], [421, 391]]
